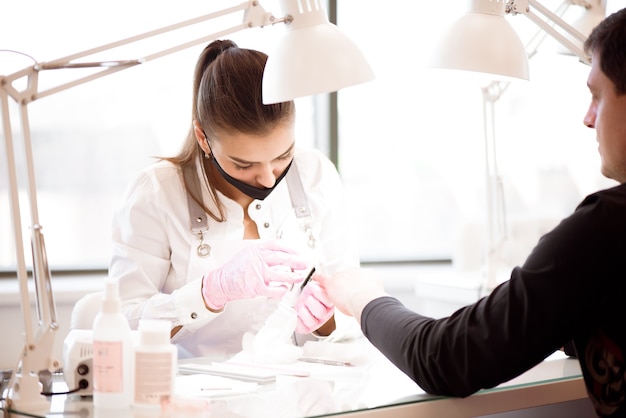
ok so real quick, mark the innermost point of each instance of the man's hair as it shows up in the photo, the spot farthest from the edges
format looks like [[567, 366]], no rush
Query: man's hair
[[608, 42]]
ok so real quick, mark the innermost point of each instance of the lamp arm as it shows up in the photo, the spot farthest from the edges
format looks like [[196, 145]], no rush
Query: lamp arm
[[254, 15], [133, 39], [497, 233], [36, 356], [16, 218], [532, 46], [524, 7]]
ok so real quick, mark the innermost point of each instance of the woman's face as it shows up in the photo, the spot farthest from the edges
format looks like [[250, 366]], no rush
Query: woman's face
[[257, 160]]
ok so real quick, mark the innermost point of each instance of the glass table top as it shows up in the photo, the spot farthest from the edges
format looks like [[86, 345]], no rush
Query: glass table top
[[301, 389]]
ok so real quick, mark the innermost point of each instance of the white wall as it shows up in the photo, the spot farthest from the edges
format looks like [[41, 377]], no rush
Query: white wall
[[66, 292]]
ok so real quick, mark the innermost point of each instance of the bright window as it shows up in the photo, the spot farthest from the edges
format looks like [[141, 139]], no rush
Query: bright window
[[90, 140], [411, 142], [411, 148]]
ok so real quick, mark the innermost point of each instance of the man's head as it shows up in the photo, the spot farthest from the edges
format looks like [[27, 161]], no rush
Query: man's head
[[607, 84]]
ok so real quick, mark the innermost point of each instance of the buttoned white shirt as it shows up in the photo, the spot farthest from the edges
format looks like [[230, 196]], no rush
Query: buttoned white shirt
[[155, 253]]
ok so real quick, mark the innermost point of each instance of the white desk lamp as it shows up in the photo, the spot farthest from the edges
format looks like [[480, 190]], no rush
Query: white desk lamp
[[483, 42], [313, 57]]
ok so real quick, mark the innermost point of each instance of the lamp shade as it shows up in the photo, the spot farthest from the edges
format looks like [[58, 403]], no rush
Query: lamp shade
[[312, 57], [483, 41]]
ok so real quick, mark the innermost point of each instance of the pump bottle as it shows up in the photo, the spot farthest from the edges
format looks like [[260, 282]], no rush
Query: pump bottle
[[112, 350]]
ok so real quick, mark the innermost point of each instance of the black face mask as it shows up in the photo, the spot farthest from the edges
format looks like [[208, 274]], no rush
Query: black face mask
[[251, 191]]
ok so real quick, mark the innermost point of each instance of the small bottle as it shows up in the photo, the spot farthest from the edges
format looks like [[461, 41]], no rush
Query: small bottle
[[155, 364], [112, 349]]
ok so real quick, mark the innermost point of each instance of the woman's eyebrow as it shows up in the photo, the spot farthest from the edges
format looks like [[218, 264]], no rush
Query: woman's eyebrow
[[242, 161]]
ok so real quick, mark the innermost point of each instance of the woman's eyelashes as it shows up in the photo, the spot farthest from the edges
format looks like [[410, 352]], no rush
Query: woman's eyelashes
[[286, 157]]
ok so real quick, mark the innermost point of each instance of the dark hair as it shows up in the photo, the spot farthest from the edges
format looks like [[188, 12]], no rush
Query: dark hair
[[230, 92], [227, 97], [608, 40]]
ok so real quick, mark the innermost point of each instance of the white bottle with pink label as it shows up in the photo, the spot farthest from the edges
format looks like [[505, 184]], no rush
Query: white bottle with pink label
[[112, 351]]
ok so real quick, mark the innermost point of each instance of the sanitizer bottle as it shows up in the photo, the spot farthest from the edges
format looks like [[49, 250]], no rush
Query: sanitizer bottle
[[155, 363], [112, 349]]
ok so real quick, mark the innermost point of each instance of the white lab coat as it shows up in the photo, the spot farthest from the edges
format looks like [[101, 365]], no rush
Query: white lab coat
[[155, 253]]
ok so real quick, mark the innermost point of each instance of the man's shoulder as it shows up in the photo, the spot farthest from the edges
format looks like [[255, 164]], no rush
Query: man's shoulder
[[613, 197]]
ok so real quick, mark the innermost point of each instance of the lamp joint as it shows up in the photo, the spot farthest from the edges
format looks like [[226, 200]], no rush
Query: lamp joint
[[515, 7]]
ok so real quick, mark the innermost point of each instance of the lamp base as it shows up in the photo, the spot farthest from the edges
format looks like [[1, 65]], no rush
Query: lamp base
[[25, 395]]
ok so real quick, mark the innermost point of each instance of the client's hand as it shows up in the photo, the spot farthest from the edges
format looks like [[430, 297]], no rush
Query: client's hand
[[313, 308], [267, 269], [351, 290]]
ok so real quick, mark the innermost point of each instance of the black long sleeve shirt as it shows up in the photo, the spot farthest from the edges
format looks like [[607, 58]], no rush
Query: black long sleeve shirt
[[571, 287]]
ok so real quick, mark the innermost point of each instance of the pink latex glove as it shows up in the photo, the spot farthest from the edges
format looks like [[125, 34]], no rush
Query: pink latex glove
[[313, 307], [265, 269]]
